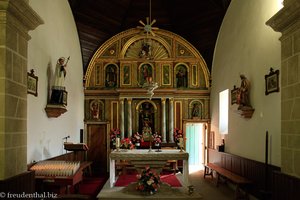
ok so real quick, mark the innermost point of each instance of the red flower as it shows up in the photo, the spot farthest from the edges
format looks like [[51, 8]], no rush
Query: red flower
[[115, 133], [156, 138], [148, 181], [178, 133]]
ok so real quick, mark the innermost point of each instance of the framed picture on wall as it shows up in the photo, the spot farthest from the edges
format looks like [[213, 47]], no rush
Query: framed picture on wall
[[272, 81], [32, 83]]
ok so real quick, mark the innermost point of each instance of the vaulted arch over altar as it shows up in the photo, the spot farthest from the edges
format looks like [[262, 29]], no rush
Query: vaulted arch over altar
[[138, 78]]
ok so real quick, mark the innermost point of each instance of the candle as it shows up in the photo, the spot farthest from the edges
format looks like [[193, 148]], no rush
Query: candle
[[181, 142], [117, 142]]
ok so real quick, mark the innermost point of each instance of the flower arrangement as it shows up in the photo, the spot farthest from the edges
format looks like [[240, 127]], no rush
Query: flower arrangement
[[137, 138], [114, 133], [126, 143], [148, 181], [178, 133], [156, 138]]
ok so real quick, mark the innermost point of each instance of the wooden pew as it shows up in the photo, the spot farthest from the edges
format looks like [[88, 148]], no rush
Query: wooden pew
[[227, 175]]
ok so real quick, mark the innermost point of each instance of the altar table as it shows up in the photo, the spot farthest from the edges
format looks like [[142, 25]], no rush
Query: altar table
[[141, 158]]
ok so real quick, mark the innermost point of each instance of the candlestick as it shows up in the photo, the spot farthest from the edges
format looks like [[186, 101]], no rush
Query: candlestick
[[118, 143], [180, 143], [150, 147]]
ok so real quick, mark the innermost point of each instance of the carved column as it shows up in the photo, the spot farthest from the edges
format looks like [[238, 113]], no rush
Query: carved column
[[122, 118], [129, 116], [163, 120], [171, 120], [287, 21]]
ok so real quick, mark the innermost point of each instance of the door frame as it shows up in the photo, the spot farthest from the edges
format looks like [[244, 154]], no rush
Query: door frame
[[206, 127]]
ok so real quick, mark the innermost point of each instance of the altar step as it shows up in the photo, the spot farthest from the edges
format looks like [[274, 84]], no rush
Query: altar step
[[165, 192], [168, 178]]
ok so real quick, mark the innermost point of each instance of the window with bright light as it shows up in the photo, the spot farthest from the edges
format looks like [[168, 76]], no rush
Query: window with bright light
[[223, 111]]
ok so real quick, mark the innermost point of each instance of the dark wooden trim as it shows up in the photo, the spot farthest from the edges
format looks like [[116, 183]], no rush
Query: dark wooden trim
[[21, 183], [285, 187], [250, 169]]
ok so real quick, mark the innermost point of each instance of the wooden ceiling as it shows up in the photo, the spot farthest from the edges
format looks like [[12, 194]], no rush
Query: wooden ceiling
[[198, 21]]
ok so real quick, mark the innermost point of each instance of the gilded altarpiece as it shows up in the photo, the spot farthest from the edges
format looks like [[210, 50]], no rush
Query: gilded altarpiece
[[124, 64]]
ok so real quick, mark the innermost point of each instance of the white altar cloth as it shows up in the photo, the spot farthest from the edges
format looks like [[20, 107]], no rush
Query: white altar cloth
[[139, 157]]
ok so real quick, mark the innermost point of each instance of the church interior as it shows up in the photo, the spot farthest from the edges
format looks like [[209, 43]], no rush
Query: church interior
[[150, 99]]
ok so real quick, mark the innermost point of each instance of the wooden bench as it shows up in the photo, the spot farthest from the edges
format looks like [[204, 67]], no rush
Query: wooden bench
[[228, 175]]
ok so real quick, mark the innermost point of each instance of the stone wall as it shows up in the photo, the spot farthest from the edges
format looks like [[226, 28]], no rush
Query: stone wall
[[16, 19], [287, 21]]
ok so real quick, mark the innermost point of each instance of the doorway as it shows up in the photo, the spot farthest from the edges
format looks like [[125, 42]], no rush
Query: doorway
[[195, 145]]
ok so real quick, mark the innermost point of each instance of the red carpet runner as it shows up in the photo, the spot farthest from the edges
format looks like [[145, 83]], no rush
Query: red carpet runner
[[126, 179]]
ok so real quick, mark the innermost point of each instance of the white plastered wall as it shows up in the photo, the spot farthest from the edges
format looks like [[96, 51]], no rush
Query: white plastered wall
[[55, 38], [246, 45]]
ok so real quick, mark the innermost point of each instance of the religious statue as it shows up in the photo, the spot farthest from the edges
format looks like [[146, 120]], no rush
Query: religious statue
[[181, 78], [147, 131], [196, 110], [147, 73], [146, 119], [243, 93], [94, 110], [145, 51], [111, 79], [59, 81]]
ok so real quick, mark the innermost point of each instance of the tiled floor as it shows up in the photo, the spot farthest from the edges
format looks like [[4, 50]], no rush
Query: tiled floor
[[207, 188], [203, 189]]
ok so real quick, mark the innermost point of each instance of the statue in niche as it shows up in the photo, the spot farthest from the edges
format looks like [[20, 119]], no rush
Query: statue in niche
[[147, 131], [146, 74], [146, 119], [145, 51], [196, 111], [95, 110], [181, 77], [110, 76]]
